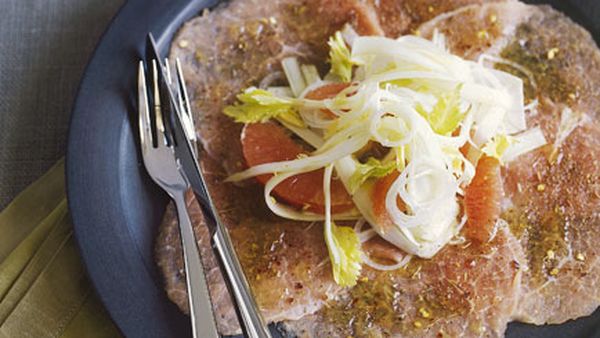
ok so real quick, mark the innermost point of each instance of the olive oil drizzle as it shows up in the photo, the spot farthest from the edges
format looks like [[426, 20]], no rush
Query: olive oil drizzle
[[543, 61]]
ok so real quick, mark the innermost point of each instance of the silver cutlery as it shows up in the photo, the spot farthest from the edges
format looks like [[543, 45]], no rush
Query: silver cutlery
[[160, 161], [184, 140]]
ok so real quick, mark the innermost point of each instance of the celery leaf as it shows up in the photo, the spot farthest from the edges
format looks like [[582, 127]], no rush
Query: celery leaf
[[257, 105], [339, 57], [345, 253], [372, 169], [445, 116]]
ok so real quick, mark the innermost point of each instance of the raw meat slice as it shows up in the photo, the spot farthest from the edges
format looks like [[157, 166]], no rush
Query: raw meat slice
[[552, 194]]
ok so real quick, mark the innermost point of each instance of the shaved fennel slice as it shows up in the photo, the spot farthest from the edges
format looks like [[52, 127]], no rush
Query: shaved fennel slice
[[268, 80], [428, 193], [520, 68], [305, 164], [422, 184], [310, 74], [312, 86], [399, 264], [524, 143], [380, 51], [278, 91], [410, 96], [366, 235], [288, 212], [411, 75], [353, 104], [394, 130], [292, 70], [439, 40], [309, 136], [463, 136], [569, 120], [349, 34], [359, 223], [514, 120], [478, 93], [315, 118], [400, 237], [488, 123], [335, 255], [353, 134]]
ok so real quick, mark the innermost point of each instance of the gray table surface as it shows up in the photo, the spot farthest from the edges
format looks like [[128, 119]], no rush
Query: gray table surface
[[44, 47]]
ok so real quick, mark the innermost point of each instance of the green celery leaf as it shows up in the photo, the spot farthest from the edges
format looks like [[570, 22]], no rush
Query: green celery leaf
[[372, 169], [346, 245], [339, 57], [445, 116], [258, 105]]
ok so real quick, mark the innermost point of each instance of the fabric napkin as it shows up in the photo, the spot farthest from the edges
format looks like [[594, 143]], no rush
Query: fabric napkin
[[44, 289]]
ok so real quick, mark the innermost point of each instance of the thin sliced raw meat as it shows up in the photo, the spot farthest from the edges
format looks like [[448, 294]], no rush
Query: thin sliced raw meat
[[555, 211], [464, 291], [215, 77], [552, 194], [476, 29], [238, 45], [399, 17]]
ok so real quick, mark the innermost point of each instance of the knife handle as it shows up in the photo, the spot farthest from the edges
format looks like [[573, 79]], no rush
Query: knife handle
[[252, 322], [201, 311]]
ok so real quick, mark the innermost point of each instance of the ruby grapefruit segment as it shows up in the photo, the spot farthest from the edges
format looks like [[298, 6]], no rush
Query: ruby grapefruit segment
[[482, 200], [269, 142]]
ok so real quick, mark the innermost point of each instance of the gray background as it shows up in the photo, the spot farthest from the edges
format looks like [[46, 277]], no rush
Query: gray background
[[44, 47]]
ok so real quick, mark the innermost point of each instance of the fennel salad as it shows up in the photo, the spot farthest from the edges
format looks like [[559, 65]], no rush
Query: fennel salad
[[404, 111]]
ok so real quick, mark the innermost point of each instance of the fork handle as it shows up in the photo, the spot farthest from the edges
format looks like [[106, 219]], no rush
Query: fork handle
[[252, 322], [201, 312]]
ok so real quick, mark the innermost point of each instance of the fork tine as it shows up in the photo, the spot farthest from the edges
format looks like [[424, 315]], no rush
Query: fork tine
[[158, 116], [168, 72], [143, 110]]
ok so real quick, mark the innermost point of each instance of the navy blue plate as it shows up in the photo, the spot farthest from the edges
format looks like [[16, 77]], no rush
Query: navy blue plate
[[116, 209]]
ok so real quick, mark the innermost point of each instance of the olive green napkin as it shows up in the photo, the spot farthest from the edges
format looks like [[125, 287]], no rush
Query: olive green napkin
[[44, 289]]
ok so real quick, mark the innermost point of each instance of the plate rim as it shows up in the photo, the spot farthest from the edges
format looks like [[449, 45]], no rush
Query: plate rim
[[79, 156]]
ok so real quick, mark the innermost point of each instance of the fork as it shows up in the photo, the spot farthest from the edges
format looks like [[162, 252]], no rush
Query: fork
[[163, 167]]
